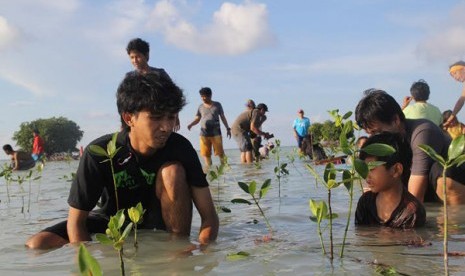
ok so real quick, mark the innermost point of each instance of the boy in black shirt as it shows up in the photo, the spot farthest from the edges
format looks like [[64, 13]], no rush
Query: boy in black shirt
[[388, 203], [154, 166]]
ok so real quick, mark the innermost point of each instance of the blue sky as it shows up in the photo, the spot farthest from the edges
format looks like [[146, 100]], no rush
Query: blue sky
[[66, 58]]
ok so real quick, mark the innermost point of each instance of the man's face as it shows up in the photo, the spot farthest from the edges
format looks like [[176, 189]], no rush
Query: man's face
[[378, 127], [138, 60], [149, 132], [459, 75], [300, 114], [206, 99]]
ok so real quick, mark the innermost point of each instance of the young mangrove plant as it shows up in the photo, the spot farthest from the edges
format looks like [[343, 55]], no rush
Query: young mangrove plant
[[357, 171], [215, 175], [109, 153], [114, 236], [455, 157], [320, 212], [7, 174], [88, 265], [280, 170], [250, 188], [136, 215]]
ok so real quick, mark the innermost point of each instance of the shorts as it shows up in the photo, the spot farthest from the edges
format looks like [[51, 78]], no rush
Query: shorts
[[206, 144], [300, 140], [244, 142], [37, 157], [455, 173], [95, 224]]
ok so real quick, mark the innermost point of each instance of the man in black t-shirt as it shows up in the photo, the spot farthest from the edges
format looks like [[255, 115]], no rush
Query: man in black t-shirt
[[154, 166]]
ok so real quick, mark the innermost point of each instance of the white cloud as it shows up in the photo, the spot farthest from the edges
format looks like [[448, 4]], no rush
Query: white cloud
[[445, 42], [235, 28], [27, 83], [8, 34]]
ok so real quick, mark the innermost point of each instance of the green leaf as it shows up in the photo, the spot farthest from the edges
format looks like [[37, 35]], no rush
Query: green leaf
[[314, 173], [378, 149], [88, 265], [332, 183], [103, 239], [432, 153], [265, 187], [456, 147], [134, 214], [240, 200], [313, 207], [225, 209], [361, 167], [97, 150], [252, 187], [374, 164], [120, 217], [458, 161], [237, 256], [126, 231], [213, 175], [244, 186], [347, 115], [347, 179], [333, 216], [330, 172], [322, 210]]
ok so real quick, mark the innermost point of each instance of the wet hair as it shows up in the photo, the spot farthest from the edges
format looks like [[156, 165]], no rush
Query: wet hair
[[205, 91], [7, 148], [377, 106], [445, 115], [403, 154], [138, 45], [157, 94], [420, 90]]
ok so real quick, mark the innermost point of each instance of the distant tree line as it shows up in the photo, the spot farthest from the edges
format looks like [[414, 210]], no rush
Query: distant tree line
[[326, 131], [59, 135]]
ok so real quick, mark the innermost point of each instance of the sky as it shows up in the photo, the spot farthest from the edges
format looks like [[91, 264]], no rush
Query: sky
[[66, 58]]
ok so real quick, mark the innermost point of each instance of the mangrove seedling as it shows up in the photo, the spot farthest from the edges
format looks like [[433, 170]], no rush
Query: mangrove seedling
[[215, 175], [320, 212], [280, 169], [88, 265], [109, 153], [455, 157], [114, 236], [136, 216], [250, 188], [6, 173]]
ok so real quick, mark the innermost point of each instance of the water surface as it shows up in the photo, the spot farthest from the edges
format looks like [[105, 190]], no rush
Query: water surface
[[294, 250]]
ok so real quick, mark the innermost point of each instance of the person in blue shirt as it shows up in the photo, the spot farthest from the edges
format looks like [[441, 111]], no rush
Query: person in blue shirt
[[300, 127]]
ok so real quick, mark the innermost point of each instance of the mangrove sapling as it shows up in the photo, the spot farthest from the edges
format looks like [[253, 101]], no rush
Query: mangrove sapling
[[114, 236], [30, 179], [215, 175], [291, 158], [6, 173], [88, 265], [280, 169], [455, 157], [110, 152], [136, 215], [250, 188], [320, 211]]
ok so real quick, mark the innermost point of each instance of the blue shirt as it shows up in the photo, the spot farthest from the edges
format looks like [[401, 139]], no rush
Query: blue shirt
[[301, 126]]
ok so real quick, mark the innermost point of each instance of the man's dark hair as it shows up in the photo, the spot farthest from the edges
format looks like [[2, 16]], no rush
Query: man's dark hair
[[7, 148], [403, 154], [150, 92], [420, 90], [377, 106], [138, 45], [205, 91]]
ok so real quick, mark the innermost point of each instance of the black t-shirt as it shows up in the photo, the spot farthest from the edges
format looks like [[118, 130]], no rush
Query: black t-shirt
[[135, 177], [409, 213]]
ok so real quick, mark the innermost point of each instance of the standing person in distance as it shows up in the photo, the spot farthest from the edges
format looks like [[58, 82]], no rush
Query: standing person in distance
[[37, 146], [209, 114], [300, 127]]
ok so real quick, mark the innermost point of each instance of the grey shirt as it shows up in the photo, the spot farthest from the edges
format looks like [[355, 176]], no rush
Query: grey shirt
[[210, 119]]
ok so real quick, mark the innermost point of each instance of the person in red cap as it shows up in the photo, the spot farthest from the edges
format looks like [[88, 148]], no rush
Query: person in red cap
[[300, 127]]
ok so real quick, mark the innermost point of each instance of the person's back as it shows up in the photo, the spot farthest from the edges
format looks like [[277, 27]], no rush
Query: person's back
[[421, 109], [388, 202], [21, 160]]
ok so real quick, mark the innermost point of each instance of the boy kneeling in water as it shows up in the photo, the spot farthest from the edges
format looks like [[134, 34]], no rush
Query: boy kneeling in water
[[389, 202]]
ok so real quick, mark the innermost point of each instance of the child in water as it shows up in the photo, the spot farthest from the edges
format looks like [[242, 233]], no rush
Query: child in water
[[389, 203], [455, 128]]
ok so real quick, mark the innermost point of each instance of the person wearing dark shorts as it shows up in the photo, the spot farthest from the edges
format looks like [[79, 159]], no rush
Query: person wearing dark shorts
[[153, 165]]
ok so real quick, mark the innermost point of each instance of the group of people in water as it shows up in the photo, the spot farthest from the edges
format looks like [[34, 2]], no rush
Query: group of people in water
[[160, 168]]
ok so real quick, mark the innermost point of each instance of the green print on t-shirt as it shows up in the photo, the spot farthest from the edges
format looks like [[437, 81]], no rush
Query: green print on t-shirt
[[149, 177], [124, 180]]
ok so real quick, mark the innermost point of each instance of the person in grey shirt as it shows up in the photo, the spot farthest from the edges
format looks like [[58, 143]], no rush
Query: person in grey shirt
[[209, 114]]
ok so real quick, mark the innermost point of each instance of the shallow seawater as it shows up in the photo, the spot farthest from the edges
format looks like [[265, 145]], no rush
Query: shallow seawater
[[294, 250]]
